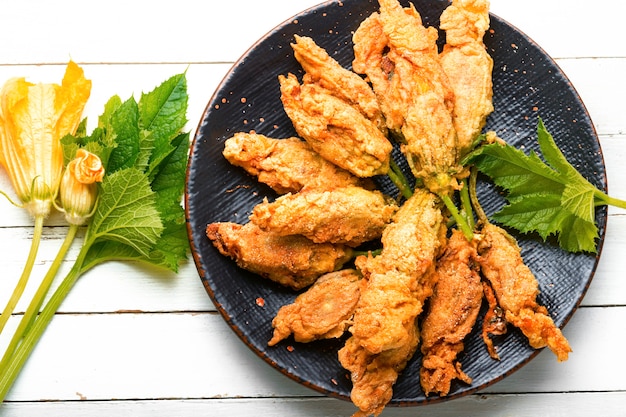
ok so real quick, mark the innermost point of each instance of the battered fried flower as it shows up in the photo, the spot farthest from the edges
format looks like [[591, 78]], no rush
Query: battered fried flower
[[349, 215], [453, 309], [334, 128], [342, 83], [400, 58], [396, 284], [373, 376], [370, 49], [324, 311], [415, 236], [516, 290], [293, 261], [286, 165], [468, 66]]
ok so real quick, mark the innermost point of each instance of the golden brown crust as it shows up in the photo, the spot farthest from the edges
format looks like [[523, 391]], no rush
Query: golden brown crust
[[468, 66], [494, 323], [286, 165], [516, 290], [395, 286], [323, 70], [335, 128], [323, 311], [400, 57], [293, 261], [452, 313], [349, 215]]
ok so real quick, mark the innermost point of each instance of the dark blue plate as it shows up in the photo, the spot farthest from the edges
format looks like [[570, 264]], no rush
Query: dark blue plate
[[527, 84]]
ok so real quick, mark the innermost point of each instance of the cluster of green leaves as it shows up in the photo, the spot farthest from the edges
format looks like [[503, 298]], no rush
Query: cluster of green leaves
[[144, 152], [548, 196], [138, 215]]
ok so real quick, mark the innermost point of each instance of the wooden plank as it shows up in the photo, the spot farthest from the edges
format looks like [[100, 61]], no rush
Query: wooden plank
[[614, 152], [597, 81], [194, 32], [566, 29], [608, 286], [110, 287], [146, 356], [189, 32], [126, 286], [122, 356], [118, 286], [611, 404]]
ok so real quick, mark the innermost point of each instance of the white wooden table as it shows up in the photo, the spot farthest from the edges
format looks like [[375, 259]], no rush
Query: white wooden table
[[136, 341]]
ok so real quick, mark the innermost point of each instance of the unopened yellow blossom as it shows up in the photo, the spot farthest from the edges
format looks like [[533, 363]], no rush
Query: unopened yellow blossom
[[33, 119], [78, 191]]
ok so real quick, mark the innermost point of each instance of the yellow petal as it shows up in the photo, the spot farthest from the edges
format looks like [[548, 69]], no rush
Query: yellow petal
[[71, 99], [87, 167], [33, 119]]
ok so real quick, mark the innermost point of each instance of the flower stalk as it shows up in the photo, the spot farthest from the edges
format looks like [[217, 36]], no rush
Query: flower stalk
[[13, 361], [33, 119], [21, 283], [38, 298]]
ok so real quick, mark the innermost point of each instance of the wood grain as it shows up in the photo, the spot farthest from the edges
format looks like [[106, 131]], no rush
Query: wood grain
[[131, 340]]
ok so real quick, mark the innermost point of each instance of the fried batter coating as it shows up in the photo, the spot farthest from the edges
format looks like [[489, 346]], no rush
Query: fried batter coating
[[286, 165], [414, 237], [323, 70], [293, 261], [386, 312], [494, 323], [370, 47], [468, 66], [516, 290], [349, 215], [335, 128], [396, 284], [324, 311], [413, 90], [399, 280], [410, 39], [452, 313], [373, 376]]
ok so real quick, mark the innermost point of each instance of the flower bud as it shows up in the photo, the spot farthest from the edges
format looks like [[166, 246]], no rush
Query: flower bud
[[78, 191]]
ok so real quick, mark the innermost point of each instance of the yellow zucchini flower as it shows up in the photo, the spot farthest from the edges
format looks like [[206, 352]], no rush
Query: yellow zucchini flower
[[78, 191], [33, 119]]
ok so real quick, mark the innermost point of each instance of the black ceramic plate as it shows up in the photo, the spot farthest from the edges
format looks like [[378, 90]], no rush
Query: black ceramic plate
[[527, 84]]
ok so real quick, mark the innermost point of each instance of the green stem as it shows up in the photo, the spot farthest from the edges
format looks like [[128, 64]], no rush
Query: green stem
[[460, 219], [604, 199], [13, 367], [374, 252], [466, 203], [480, 213], [399, 180], [21, 284], [38, 298]]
